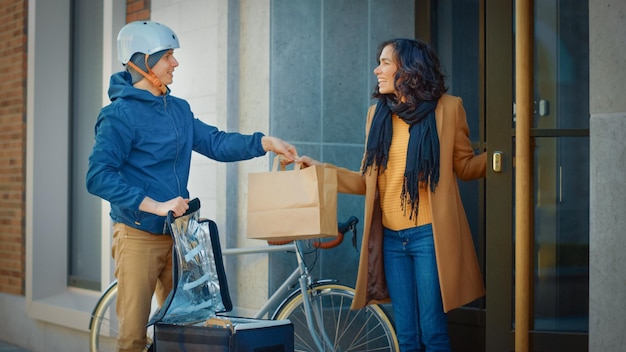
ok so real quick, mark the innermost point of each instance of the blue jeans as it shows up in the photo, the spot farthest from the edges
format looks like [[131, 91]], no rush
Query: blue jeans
[[413, 283]]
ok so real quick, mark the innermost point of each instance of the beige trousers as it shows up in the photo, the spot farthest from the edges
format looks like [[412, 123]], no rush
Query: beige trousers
[[143, 267]]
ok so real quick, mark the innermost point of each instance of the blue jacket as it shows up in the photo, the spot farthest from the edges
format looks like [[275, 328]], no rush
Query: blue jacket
[[143, 146]]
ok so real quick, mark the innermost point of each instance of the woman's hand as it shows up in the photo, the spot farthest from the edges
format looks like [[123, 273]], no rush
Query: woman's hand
[[287, 151], [307, 161]]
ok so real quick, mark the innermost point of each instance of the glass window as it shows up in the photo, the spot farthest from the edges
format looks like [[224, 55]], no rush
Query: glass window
[[86, 92], [561, 217], [561, 65]]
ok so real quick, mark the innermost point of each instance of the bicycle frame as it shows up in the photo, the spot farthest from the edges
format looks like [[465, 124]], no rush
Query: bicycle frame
[[301, 275], [284, 288], [318, 308]]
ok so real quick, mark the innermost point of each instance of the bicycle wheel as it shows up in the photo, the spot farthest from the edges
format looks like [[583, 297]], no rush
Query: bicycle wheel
[[103, 326], [367, 329], [103, 323]]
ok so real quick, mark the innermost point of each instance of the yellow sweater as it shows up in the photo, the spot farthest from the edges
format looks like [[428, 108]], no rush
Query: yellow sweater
[[390, 184]]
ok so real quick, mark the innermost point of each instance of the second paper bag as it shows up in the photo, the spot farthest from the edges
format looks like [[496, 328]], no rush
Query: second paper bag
[[292, 204]]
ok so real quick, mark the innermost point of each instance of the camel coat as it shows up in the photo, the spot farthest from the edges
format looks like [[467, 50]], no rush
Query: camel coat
[[459, 273]]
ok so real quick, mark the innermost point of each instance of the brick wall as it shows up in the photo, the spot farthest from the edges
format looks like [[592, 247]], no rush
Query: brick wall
[[13, 44], [137, 10]]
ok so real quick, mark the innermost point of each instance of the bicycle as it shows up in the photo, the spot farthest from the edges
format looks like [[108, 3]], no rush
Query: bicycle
[[319, 309]]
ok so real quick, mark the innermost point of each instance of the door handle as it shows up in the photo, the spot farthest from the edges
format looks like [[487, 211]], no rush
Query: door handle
[[496, 161]]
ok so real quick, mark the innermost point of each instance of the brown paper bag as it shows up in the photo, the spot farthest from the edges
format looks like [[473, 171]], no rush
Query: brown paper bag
[[292, 204]]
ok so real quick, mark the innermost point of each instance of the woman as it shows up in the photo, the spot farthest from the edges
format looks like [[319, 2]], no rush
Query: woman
[[417, 249]]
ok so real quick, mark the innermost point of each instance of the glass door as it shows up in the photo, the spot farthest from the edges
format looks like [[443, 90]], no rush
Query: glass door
[[456, 30], [476, 41], [560, 136]]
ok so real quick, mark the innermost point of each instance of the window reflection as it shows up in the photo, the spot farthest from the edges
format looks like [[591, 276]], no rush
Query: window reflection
[[561, 223]]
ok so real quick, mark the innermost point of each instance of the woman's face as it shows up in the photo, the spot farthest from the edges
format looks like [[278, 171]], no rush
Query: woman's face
[[164, 68], [386, 71]]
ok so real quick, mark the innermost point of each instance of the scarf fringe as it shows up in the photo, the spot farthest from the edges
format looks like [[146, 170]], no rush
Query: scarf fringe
[[422, 159]]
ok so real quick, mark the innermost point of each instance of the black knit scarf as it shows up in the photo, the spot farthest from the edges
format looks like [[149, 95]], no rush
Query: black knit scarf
[[422, 157]]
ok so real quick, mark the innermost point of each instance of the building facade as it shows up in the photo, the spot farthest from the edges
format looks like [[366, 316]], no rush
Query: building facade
[[302, 70]]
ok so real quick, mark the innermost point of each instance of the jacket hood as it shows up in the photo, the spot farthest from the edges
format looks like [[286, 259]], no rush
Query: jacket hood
[[121, 86]]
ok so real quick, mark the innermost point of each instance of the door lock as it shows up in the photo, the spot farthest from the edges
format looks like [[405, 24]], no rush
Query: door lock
[[496, 161]]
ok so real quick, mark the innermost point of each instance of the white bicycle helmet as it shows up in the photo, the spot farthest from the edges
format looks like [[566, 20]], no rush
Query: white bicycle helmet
[[144, 37]]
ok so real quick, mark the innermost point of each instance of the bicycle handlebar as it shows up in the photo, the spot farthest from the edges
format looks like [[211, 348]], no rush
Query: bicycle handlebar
[[342, 228]]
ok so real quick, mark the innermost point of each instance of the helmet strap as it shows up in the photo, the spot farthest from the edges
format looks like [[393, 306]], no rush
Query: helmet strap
[[150, 76]]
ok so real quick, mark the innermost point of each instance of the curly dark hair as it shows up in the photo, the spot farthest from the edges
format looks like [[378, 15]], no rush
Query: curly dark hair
[[419, 75]]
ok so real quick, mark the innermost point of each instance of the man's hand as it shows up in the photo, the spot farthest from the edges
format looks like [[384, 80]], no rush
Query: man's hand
[[287, 151], [178, 205]]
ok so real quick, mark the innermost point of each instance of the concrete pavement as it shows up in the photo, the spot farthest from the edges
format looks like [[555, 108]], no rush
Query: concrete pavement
[[7, 347]]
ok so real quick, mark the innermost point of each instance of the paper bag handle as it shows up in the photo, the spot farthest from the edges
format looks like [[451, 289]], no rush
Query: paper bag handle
[[297, 166]]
